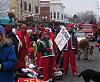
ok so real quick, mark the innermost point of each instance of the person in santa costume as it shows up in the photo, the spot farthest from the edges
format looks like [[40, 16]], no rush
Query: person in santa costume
[[45, 46], [25, 44], [52, 37], [69, 53]]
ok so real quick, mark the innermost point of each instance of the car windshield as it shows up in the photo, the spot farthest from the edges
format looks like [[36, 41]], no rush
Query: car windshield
[[80, 34], [87, 27]]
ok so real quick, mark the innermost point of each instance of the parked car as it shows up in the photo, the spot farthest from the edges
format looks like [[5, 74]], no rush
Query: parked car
[[80, 36]]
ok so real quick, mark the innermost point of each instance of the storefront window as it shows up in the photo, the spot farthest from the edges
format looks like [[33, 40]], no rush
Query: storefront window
[[57, 15], [54, 15]]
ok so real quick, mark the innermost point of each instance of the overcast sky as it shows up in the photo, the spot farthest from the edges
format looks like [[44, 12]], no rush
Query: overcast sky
[[74, 6]]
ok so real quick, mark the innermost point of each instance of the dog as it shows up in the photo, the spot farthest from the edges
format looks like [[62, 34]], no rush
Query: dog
[[89, 74], [88, 53]]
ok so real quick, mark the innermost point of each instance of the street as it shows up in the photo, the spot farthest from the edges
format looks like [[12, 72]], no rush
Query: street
[[84, 64], [38, 39]]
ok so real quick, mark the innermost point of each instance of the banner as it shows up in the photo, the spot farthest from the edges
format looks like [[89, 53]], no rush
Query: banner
[[65, 32], [62, 38], [29, 80]]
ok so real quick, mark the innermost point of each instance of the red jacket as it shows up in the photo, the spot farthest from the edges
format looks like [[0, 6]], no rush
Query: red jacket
[[23, 48]]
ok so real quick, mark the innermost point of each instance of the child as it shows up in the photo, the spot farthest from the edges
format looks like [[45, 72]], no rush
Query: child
[[29, 59]]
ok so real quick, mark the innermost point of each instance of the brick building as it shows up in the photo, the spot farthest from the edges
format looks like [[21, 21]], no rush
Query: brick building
[[45, 9]]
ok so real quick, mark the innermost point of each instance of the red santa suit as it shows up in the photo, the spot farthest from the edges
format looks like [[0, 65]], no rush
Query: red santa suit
[[23, 48], [69, 56], [52, 37], [45, 46]]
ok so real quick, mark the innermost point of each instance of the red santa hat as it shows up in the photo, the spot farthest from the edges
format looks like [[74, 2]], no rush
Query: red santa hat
[[23, 26], [45, 30], [31, 50], [70, 26], [8, 28]]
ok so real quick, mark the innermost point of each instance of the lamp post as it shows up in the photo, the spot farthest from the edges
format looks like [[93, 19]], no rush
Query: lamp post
[[21, 8]]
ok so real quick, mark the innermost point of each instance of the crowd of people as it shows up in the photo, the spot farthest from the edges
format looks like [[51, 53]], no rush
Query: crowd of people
[[19, 49]]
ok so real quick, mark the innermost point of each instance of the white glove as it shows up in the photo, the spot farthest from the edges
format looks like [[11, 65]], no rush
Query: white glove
[[31, 66]]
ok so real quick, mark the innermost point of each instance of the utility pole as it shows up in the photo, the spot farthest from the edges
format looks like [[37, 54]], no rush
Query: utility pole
[[21, 8], [98, 7], [98, 10]]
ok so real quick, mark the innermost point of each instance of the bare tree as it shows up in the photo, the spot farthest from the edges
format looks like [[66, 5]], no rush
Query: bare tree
[[87, 16], [3, 6], [80, 16]]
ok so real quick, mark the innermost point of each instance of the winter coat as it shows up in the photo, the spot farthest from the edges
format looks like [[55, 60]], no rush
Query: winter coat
[[21, 38], [72, 43], [98, 39], [97, 34], [8, 60], [15, 41], [46, 48]]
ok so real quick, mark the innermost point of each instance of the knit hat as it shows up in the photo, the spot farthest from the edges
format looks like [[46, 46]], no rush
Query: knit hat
[[46, 30], [8, 28], [2, 30]]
